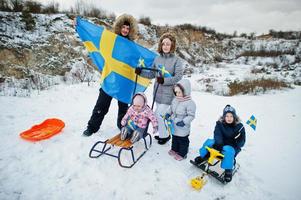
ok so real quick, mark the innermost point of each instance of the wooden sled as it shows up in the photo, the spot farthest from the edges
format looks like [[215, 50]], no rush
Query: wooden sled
[[125, 145], [102, 148]]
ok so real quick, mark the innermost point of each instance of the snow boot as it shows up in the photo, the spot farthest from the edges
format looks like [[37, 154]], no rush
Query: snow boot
[[124, 133], [87, 133], [199, 160], [157, 137], [179, 157], [172, 152], [135, 137], [228, 175], [163, 140]]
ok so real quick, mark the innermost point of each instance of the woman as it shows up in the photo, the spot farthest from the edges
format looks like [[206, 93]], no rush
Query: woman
[[164, 84]]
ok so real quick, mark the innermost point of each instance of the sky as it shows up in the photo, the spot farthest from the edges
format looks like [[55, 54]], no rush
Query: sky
[[226, 16]]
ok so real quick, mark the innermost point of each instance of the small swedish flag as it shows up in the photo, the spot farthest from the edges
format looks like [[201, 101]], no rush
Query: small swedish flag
[[252, 122], [168, 122], [163, 72], [131, 125]]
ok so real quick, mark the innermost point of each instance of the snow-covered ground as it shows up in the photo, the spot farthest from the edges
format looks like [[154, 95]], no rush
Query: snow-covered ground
[[59, 168]]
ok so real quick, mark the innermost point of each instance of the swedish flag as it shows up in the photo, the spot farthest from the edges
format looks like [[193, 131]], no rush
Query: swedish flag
[[116, 57], [252, 122], [131, 124], [168, 122], [163, 72]]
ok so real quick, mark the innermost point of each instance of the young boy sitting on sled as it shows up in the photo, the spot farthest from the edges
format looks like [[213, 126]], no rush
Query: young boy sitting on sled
[[229, 138], [136, 119]]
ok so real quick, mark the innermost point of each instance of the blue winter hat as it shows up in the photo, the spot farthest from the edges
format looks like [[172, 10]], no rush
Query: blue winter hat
[[229, 109]]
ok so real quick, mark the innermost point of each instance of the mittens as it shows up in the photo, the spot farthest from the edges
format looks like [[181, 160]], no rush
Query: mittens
[[160, 80], [180, 123], [138, 70]]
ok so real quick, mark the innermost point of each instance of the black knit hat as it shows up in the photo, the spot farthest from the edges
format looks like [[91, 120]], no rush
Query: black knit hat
[[229, 109]]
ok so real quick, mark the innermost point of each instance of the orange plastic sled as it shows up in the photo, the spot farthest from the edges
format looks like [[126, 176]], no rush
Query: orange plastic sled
[[45, 130]]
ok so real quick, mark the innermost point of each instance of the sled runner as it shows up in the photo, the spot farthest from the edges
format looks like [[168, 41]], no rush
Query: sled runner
[[102, 147], [124, 145], [210, 166], [45, 130]]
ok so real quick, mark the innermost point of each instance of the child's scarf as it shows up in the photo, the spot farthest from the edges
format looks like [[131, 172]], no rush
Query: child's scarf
[[181, 99]]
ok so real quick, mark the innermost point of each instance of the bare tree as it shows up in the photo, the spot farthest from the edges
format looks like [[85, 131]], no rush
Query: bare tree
[[52, 7], [145, 20], [79, 7], [252, 35], [28, 19], [17, 5], [234, 34], [33, 7], [4, 5]]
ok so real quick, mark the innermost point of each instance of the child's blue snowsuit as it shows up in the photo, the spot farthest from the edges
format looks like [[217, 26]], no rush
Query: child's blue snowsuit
[[230, 137]]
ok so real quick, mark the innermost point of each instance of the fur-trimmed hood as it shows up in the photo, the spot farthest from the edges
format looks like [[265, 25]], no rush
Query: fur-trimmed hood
[[172, 39], [133, 25]]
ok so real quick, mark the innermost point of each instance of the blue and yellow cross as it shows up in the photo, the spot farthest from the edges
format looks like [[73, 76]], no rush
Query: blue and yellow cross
[[163, 72], [252, 122], [111, 64]]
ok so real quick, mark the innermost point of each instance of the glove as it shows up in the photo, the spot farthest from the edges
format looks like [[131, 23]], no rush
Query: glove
[[180, 123], [160, 80], [155, 129], [138, 70], [167, 116], [218, 147]]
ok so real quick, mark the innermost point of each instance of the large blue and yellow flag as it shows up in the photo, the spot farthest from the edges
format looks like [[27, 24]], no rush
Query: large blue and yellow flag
[[252, 122], [116, 57]]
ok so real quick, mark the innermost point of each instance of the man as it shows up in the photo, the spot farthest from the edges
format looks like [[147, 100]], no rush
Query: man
[[125, 26]]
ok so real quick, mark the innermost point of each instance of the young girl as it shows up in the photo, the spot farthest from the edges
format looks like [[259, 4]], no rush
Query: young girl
[[229, 138], [136, 118], [173, 65], [182, 113]]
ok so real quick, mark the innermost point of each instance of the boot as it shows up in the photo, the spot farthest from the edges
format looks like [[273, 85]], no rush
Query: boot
[[199, 160], [163, 140], [157, 137], [135, 137], [87, 133], [124, 133], [179, 157], [228, 175]]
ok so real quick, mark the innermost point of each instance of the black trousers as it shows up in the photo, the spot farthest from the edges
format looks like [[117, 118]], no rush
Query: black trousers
[[180, 145], [101, 108]]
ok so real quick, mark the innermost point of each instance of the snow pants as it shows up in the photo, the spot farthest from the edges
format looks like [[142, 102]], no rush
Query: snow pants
[[228, 151], [101, 108], [180, 145]]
